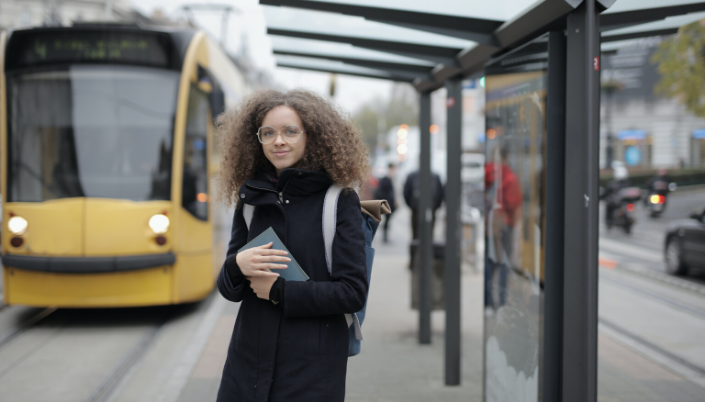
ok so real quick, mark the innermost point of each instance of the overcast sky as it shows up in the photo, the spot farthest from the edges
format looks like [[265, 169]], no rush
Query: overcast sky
[[351, 92]]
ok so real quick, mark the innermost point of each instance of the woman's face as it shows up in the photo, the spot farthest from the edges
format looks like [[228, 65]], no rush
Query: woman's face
[[281, 153]]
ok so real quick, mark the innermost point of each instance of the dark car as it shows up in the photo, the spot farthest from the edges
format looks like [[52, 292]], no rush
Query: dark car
[[685, 244]]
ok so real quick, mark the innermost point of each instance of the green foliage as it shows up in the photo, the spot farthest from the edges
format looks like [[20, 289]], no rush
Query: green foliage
[[377, 116], [366, 118], [681, 63]]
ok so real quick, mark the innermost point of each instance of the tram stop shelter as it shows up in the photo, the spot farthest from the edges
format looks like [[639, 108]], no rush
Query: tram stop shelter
[[541, 54]]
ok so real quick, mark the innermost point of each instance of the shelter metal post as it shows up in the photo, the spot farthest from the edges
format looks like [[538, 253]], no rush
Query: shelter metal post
[[451, 280], [425, 248], [555, 197], [581, 205]]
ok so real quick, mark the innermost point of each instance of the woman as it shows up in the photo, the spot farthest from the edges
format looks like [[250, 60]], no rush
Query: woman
[[281, 153]]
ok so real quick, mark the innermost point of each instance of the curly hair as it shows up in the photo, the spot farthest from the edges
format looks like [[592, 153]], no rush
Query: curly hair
[[333, 142]]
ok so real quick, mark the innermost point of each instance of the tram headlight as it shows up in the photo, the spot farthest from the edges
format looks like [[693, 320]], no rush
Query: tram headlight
[[17, 225], [159, 223]]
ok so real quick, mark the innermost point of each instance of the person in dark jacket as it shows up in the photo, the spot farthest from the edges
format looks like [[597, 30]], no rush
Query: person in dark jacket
[[385, 191], [290, 341], [411, 197]]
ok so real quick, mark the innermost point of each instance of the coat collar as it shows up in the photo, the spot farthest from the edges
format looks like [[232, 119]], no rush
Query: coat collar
[[293, 185]]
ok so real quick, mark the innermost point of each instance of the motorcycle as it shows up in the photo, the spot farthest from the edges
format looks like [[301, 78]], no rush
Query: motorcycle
[[655, 204], [655, 200], [624, 214]]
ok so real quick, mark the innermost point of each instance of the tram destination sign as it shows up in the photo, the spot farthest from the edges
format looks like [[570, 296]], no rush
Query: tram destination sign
[[73, 46]]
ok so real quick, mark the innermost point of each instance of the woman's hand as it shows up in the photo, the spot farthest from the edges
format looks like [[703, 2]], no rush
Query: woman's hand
[[262, 285], [257, 261]]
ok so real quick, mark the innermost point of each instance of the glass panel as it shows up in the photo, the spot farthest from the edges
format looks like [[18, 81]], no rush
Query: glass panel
[[514, 193], [194, 194], [91, 131]]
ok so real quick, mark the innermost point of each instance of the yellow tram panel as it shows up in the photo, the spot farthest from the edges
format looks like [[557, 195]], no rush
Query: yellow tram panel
[[114, 289], [121, 227], [193, 277], [54, 227]]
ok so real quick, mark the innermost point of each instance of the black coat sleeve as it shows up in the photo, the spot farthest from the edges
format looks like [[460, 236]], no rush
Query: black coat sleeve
[[232, 287], [409, 190], [347, 291]]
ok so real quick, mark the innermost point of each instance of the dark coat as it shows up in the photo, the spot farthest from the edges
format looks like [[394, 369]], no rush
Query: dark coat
[[296, 350], [385, 191], [411, 190]]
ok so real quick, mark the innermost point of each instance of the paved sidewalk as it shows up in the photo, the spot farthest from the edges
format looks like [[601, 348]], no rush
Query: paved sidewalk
[[394, 367]]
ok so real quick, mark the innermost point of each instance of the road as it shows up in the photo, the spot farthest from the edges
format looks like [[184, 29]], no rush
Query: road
[[660, 316]]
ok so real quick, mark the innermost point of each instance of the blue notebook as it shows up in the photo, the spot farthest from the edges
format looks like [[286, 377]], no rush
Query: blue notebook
[[293, 272]]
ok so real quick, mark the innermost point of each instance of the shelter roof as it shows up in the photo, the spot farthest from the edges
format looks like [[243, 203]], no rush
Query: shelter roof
[[428, 46]]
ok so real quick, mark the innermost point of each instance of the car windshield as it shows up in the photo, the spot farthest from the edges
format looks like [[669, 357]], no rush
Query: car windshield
[[91, 131]]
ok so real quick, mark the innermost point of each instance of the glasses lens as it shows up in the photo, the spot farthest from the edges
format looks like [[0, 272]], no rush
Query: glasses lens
[[266, 134], [291, 133]]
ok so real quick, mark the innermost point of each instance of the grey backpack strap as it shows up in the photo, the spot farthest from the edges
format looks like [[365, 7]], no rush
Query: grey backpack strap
[[330, 208], [247, 212]]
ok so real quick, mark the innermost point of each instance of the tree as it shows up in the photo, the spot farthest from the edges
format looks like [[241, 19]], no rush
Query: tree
[[681, 63], [377, 116], [366, 118]]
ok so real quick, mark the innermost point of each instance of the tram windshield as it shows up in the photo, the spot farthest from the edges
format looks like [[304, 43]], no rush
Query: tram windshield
[[91, 131]]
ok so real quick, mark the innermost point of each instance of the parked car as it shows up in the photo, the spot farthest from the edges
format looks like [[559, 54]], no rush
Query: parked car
[[684, 248]]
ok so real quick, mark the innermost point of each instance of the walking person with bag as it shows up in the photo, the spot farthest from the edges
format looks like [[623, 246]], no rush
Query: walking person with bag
[[282, 152]]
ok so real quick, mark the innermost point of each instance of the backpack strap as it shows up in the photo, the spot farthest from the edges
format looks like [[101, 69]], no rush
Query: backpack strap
[[247, 212], [330, 209]]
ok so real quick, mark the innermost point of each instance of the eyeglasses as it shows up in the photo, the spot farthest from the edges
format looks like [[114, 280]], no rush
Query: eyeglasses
[[290, 134]]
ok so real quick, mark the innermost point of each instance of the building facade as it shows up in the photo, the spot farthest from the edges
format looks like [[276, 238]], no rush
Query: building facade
[[648, 130]]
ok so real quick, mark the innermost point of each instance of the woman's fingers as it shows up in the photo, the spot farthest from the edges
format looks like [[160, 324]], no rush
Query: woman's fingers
[[271, 251], [263, 272], [270, 258], [266, 266]]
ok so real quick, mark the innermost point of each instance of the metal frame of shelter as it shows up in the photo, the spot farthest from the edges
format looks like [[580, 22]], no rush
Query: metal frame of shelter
[[571, 317]]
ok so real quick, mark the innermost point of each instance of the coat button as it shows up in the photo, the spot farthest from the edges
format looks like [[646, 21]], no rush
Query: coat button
[[287, 201], [242, 195]]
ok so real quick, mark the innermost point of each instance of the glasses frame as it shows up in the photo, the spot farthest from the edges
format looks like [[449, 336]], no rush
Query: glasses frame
[[279, 134]]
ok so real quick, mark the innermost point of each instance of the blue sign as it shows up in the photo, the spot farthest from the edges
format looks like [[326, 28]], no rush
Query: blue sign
[[632, 156], [631, 135], [698, 133]]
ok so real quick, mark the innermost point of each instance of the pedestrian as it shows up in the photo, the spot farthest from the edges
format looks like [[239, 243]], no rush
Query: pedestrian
[[503, 190], [411, 197], [281, 152], [385, 191]]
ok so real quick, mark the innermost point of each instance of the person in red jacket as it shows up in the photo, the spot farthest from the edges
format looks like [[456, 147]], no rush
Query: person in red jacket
[[504, 199]]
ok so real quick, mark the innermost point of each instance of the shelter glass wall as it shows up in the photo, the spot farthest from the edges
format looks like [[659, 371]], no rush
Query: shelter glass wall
[[515, 220]]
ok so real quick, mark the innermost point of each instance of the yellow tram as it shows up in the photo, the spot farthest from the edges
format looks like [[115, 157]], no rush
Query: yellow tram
[[107, 160]]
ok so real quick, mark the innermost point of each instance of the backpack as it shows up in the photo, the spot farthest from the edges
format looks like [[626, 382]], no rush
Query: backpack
[[371, 212]]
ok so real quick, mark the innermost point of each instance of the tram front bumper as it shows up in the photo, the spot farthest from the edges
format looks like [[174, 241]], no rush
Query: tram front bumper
[[88, 265]]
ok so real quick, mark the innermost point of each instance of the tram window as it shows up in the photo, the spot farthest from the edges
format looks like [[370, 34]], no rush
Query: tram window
[[91, 131], [194, 193]]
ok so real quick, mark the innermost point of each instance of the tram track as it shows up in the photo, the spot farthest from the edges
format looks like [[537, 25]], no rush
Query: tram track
[[68, 328], [7, 336], [104, 391], [649, 343], [700, 313]]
